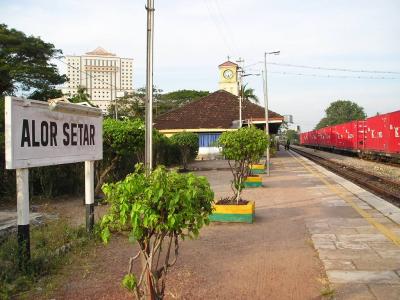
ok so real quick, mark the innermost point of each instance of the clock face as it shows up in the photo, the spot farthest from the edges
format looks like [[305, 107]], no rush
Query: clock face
[[228, 74]]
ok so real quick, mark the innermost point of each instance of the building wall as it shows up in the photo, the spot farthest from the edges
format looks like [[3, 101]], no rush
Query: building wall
[[102, 76]]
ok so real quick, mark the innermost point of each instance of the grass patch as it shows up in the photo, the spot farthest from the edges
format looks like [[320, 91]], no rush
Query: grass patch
[[50, 244], [328, 293]]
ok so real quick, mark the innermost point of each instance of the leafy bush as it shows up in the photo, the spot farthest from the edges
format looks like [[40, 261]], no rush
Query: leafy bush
[[165, 152], [123, 147], [156, 210], [188, 144], [244, 147]]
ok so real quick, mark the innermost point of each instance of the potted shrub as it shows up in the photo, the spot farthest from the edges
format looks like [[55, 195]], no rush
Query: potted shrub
[[241, 147], [156, 210]]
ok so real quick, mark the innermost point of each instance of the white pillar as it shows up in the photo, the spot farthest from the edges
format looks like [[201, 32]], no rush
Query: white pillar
[[89, 194], [23, 217]]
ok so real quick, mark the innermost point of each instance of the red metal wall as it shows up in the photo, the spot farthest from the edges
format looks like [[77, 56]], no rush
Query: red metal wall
[[394, 133], [376, 134]]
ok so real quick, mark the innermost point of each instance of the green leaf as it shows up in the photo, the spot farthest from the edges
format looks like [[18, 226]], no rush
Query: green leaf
[[105, 235], [129, 282]]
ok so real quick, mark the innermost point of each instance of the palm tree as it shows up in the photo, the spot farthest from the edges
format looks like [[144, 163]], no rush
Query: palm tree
[[80, 96], [248, 94]]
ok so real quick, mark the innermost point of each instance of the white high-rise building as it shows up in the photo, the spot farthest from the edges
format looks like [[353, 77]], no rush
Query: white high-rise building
[[101, 73]]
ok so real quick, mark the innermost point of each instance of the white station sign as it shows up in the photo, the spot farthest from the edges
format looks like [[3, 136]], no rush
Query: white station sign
[[41, 134]]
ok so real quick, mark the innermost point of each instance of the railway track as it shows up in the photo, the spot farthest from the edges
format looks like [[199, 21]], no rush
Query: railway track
[[389, 161], [382, 187]]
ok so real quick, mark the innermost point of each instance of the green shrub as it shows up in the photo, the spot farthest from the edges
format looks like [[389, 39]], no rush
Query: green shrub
[[188, 145], [156, 210], [242, 147]]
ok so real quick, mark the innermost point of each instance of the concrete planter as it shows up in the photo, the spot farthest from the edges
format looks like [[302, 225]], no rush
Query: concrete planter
[[234, 213], [253, 181], [257, 169]]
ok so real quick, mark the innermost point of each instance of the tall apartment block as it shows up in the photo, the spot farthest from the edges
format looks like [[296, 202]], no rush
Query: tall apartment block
[[103, 74]]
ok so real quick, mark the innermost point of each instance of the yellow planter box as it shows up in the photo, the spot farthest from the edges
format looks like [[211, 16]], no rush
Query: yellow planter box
[[234, 213], [257, 169], [253, 181]]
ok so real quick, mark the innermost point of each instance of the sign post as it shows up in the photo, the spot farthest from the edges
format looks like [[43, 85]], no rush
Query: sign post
[[24, 252], [38, 134], [89, 194]]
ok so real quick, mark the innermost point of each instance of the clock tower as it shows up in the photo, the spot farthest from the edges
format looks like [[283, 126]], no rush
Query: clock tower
[[228, 77]]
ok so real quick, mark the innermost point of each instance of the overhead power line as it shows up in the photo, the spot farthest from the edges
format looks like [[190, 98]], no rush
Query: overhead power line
[[220, 24], [332, 76], [326, 68], [334, 69]]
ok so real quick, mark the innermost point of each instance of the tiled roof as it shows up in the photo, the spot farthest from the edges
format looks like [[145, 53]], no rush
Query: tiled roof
[[100, 51], [228, 64], [216, 110]]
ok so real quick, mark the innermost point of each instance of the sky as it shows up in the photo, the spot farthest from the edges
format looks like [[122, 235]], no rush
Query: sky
[[193, 37]]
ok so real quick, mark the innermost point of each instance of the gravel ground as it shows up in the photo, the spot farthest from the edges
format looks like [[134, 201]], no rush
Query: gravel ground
[[270, 259], [375, 168]]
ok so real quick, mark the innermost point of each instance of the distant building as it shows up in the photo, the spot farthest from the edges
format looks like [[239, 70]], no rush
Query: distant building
[[288, 119], [103, 74]]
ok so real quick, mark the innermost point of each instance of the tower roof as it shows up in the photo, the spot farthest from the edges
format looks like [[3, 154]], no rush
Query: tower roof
[[100, 51], [228, 63]]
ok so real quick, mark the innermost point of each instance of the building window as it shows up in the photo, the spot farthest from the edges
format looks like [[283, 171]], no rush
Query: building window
[[208, 139]]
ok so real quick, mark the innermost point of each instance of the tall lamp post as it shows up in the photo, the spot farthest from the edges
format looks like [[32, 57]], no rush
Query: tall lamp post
[[266, 103], [148, 158]]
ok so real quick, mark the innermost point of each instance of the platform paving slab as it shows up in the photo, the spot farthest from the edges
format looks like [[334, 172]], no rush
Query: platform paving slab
[[360, 261]]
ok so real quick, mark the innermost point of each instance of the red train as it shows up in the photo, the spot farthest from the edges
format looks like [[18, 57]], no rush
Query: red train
[[375, 136]]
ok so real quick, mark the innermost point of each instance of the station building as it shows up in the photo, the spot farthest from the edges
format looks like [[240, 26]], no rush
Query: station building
[[216, 113]]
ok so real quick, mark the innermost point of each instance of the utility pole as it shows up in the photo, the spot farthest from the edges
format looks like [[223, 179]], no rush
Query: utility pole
[[149, 88], [264, 73], [240, 73], [266, 105]]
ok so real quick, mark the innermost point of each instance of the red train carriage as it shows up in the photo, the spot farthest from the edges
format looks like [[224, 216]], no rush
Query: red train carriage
[[346, 135], [379, 135], [325, 137], [382, 134]]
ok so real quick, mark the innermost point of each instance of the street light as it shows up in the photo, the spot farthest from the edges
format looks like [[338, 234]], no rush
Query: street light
[[266, 102], [148, 158]]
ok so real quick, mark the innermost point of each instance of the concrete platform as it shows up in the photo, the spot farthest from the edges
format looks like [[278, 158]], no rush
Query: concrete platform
[[356, 234]]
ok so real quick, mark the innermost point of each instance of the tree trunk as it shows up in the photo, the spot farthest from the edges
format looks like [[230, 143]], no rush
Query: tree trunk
[[104, 175]]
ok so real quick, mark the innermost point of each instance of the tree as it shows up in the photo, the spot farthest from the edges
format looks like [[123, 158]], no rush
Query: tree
[[188, 145], [248, 94], [156, 210], [46, 94], [80, 96], [25, 63], [341, 111], [244, 147], [184, 95], [120, 139], [292, 136], [130, 106], [177, 98]]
